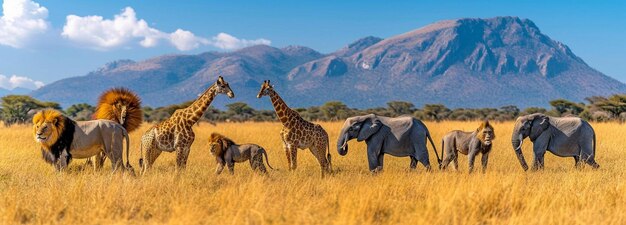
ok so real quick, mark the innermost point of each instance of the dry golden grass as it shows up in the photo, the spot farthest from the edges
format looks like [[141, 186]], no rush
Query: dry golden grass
[[32, 192]]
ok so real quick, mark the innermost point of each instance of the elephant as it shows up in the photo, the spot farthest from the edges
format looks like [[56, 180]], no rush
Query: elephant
[[563, 136], [401, 136]]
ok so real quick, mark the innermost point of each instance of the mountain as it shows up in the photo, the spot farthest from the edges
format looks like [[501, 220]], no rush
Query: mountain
[[15, 91], [460, 63]]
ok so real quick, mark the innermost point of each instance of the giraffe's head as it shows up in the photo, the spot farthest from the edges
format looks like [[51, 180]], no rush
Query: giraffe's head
[[265, 88], [222, 87]]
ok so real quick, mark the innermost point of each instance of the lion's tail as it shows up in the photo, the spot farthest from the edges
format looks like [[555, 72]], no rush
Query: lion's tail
[[267, 159], [127, 148]]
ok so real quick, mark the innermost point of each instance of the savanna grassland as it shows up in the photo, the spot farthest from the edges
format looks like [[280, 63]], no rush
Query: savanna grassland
[[32, 192]]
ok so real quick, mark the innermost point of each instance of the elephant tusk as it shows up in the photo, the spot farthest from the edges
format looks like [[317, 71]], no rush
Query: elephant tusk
[[521, 141], [344, 145]]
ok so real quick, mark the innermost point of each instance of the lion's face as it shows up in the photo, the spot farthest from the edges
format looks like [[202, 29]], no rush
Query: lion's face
[[214, 147], [120, 111], [486, 133], [47, 127]]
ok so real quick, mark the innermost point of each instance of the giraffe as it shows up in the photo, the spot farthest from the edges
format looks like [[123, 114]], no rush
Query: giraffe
[[298, 133], [176, 133]]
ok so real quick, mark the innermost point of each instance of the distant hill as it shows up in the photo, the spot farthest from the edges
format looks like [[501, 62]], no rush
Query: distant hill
[[460, 63], [15, 91]]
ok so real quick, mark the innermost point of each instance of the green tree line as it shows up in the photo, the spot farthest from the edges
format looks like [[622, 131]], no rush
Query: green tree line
[[18, 109]]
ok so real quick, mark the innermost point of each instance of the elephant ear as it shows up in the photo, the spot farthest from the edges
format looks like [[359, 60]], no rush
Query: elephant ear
[[369, 128], [539, 124]]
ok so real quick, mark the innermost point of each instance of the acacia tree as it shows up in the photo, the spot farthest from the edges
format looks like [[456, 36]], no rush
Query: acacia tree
[[436, 112], [16, 108], [82, 111], [401, 107], [335, 110], [563, 106]]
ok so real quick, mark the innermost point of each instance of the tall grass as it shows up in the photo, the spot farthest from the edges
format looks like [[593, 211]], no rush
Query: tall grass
[[32, 192]]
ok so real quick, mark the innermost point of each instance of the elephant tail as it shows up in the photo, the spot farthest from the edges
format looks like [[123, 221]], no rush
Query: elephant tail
[[435, 149], [594, 144]]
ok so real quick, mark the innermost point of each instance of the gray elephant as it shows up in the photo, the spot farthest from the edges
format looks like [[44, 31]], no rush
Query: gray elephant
[[563, 136], [401, 136]]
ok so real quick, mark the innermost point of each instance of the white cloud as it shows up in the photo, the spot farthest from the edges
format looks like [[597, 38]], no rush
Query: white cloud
[[104, 34], [21, 20], [125, 29], [14, 81], [227, 41], [185, 40]]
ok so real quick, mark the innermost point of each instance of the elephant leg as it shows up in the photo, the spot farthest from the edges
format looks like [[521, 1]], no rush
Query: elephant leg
[[587, 154], [372, 160], [421, 153], [539, 151], [577, 162], [591, 161], [381, 159], [538, 162], [413, 163]]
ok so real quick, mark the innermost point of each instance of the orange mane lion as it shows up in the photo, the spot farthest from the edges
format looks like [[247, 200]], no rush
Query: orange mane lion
[[122, 106]]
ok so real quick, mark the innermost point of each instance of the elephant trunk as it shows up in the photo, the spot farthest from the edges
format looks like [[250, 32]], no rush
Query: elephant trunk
[[342, 145], [517, 140]]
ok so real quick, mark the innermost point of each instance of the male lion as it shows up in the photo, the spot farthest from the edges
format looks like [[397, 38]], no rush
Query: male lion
[[227, 152], [62, 139], [120, 105], [468, 143]]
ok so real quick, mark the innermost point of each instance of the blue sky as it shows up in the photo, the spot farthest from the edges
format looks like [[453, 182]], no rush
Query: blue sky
[[58, 39]]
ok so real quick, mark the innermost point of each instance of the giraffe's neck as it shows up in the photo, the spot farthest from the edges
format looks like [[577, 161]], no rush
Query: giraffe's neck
[[193, 112], [286, 115]]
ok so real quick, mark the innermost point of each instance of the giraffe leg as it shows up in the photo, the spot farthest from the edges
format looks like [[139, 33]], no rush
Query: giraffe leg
[[182, 153], [319, 154], [288, 154], [293, 153], [152, 154]]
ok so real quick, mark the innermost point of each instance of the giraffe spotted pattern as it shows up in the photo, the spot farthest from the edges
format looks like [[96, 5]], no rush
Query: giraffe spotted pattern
[[298, 133], [176, 133]]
